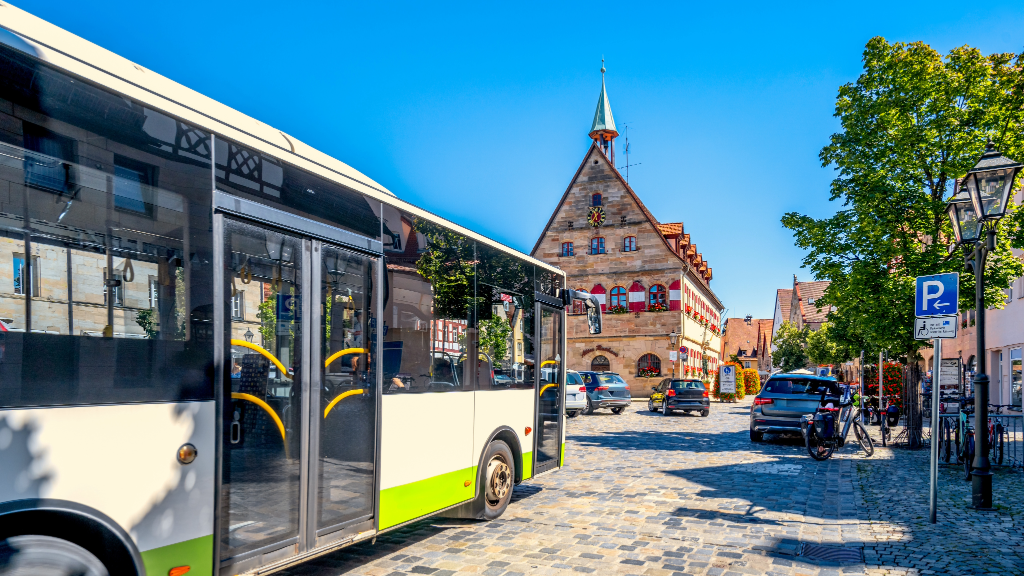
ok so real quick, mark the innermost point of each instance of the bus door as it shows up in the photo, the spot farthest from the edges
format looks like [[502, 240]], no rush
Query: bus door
[[300, 408], [550, 383]]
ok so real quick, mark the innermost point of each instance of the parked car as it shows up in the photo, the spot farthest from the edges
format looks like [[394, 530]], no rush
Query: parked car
[[501, 379], [575, 394], [783, 399], [679, 394], [606, 390]]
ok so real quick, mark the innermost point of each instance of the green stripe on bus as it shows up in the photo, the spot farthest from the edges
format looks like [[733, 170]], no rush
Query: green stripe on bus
[[196, 553], [527, 465], [408, 501]]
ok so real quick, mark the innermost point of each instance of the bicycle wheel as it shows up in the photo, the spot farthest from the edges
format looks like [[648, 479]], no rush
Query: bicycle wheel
[[863, 439], [946, 448], [817, 449], [1000, 431], [968, 456]]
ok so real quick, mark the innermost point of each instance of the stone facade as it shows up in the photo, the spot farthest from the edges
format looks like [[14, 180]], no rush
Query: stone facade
[[638, 254]]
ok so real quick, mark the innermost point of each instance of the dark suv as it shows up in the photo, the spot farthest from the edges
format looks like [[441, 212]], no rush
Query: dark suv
[[606, 390], [679, 394]]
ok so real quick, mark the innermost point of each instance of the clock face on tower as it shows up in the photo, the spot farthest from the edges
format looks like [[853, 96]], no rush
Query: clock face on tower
[[596, 216]]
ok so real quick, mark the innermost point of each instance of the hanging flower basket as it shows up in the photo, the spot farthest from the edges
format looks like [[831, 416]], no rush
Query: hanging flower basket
[[658, 307], [648, 373], [618, 310]]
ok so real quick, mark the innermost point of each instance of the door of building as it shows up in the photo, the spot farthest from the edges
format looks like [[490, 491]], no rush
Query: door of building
[[550, 388], [301, 404]]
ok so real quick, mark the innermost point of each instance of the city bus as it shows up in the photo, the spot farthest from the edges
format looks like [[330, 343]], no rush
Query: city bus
[[224, 352]]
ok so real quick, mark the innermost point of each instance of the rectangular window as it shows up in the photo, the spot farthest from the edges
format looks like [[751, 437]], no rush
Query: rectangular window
[[22, 283], [238, 306], [134, 184], [49, 159], [117, 290], [597, 246], [629, 244], [746, 364], [567, 249]]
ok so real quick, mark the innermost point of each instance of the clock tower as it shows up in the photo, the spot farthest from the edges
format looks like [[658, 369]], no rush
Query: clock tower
[[603, 131]]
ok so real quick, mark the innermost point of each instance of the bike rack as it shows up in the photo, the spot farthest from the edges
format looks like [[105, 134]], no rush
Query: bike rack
[[1013, 438]]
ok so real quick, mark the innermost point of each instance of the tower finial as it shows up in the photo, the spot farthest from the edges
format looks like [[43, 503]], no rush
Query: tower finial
[[602, 64]]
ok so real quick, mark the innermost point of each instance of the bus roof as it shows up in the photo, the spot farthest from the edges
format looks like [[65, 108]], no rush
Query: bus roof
[[54, 45]]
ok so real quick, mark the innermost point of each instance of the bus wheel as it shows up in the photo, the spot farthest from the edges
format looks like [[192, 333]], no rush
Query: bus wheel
[[47, 556], [498, 477]]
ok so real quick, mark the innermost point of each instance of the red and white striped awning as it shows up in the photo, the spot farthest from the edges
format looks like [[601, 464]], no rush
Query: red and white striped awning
[[600, 292], [675, 296], [637, 297]]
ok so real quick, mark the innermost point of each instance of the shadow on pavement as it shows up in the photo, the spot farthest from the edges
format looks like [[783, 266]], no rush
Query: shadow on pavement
[[687, 441]]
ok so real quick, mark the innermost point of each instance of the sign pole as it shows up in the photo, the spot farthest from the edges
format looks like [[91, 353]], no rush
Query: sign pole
[[881, 399], [934, 472]]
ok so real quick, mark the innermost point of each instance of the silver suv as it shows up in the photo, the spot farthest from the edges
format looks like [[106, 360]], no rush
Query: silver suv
[[783, 399]]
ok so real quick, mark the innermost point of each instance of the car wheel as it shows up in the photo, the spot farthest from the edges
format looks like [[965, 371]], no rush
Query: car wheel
[[756, 436], [572, 413], [704, 413], [590, 407], [496, 479], [618, 410], [32, 555], [650, 405], [665, 411]]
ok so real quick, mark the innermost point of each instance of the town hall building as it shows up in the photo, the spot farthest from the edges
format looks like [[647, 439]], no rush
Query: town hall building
[[649, 276]]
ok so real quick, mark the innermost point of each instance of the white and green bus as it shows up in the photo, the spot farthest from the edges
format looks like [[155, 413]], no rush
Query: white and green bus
[[223, 352]]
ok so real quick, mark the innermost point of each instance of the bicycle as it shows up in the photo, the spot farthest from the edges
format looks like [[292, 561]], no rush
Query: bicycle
[[964, 436], [819, 429], [997, 434]]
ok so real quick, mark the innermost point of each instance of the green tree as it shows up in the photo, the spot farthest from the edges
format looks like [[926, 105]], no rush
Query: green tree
[[145, 319], [789, 347], [494, 336], [912, 123], [822, 348]]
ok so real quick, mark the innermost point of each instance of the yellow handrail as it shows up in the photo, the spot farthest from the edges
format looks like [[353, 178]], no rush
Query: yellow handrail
[[546, 386], [341, 353], [546, 362], [341, 397], [260, 349], [269, 410]]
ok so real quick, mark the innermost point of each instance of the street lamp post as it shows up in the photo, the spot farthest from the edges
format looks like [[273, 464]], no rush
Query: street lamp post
[[976, 208]]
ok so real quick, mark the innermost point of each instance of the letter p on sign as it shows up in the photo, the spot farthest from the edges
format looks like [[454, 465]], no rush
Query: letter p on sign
[[936, 295]]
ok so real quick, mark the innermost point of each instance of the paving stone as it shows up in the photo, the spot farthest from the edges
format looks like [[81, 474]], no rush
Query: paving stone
[[647, 494]]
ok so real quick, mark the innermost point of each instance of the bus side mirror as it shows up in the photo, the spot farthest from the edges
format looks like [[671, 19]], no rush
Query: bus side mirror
[[594, 319]]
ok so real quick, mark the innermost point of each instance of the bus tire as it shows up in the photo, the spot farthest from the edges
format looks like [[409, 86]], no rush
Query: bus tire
[[497, 476], [33, 555]]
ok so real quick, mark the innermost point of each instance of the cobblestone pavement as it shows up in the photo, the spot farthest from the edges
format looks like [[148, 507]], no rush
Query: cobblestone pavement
[[646, 494]]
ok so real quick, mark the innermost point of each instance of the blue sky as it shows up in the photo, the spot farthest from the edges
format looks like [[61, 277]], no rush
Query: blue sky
[[479, 111]]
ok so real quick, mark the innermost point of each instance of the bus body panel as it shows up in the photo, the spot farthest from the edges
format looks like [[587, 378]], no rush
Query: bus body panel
[[426, 455], [512, 408], [122, 461]]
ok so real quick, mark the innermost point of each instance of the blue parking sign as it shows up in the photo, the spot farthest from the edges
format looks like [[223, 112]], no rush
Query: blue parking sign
[[937, 295]]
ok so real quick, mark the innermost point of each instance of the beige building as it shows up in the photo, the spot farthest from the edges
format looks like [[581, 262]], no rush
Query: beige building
[[649, 276]]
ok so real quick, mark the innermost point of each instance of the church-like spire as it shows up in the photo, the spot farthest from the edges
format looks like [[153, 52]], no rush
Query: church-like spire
[[603, 129]]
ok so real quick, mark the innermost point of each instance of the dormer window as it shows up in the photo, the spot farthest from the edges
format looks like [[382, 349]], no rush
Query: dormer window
[[595, 200], [810, 300]]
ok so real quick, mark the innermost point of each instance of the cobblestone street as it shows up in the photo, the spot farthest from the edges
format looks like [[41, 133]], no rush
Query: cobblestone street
[[646, 494]]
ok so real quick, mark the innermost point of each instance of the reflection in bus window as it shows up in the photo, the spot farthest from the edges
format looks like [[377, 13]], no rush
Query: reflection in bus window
[[104, 235]]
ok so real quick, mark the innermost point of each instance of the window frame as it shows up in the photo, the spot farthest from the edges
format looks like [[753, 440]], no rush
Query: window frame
[[629, 244], [653, 290], [599, 241], [623, 297], [653, 361], [568, 249], [596, 199]]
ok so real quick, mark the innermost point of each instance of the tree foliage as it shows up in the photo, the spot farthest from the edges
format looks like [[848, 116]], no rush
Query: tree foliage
[[822, 347], [789, 345], [912, 123], [494, 337]]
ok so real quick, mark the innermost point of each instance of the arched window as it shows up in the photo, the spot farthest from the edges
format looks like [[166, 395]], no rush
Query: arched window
[[657, 296], [629, 244], [619, 297], [595, 200], [648, 365], [600, 364], [597, 245]]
